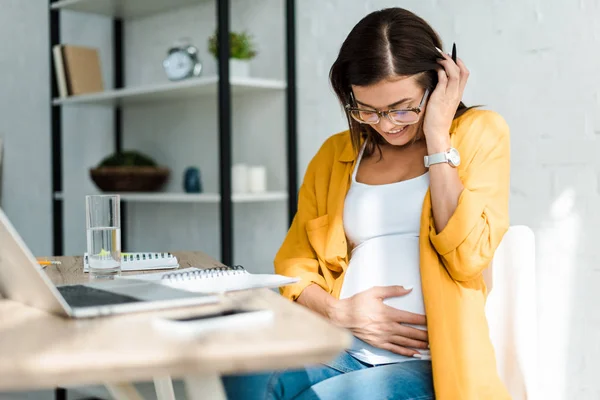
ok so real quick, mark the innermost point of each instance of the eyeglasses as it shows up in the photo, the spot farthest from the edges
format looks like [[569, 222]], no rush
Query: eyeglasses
[[404, 116]]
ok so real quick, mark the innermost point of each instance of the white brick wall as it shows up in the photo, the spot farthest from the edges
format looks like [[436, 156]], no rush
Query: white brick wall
[[24, 121], [537, 63]]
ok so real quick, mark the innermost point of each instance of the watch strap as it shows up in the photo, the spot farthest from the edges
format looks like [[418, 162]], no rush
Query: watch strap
[[436, 158]]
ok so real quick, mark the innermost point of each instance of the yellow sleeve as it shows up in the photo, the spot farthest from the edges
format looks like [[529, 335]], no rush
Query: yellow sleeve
[[468, 242], [296, 257]]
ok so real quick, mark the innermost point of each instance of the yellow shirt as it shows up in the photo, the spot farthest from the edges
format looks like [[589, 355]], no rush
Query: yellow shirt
[[451, 262]]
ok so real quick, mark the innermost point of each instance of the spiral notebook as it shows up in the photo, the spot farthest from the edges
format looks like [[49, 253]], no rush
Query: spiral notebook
[[141, 261], [216, 279]]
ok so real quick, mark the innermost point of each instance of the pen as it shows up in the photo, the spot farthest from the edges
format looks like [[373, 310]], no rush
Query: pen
[[454, 52], [46, 263]]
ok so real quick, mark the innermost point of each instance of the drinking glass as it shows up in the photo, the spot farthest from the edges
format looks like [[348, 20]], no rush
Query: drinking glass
[[103, 225]]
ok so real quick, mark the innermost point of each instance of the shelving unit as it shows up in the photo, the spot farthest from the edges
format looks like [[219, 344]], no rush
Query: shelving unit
[[222, 85], [123, 9], [195, 198], [190, 88]]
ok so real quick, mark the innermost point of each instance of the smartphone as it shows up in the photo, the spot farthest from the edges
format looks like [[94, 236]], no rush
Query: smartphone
[[229, 319]]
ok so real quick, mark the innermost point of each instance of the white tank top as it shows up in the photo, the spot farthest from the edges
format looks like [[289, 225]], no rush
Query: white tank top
[[382, 224]]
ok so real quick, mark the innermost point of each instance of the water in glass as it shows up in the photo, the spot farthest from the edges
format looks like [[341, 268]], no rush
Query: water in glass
[[104, 250]]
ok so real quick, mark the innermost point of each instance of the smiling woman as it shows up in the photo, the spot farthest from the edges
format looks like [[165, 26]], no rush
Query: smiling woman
[[404, 60], [401, 118], [397, 219]]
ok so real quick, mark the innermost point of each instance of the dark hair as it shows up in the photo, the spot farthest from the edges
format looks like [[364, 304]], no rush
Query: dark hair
[[386, 43]]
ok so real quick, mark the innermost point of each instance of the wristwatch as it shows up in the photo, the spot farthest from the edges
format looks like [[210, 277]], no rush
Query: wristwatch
[[451, 156]]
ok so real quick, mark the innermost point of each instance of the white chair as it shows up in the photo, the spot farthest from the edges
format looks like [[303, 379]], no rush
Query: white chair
[[511, 311]]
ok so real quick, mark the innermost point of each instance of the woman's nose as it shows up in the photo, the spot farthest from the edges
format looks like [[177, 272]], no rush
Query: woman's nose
[[385, 124]]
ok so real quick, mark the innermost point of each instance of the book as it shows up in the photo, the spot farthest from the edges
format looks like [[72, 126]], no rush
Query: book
[[59, 70], [77, 69], [216, 279], [141, 261]]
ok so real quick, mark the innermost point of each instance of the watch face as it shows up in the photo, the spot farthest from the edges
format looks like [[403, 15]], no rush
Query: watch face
[[178, 65], [454, 157]]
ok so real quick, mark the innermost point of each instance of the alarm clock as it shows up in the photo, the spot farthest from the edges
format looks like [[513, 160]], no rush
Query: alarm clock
[[182, 62]]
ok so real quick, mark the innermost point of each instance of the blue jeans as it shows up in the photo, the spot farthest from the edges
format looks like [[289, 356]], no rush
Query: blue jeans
[[343, 378]]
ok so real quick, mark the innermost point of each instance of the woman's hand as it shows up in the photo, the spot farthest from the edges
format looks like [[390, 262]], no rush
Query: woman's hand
[[380, 325], [443, 102]]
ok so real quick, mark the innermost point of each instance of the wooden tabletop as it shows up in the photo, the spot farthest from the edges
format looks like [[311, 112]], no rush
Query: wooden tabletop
[[70, 271], [40, 350]]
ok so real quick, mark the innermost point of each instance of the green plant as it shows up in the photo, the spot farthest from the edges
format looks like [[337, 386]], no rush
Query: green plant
[[127, 159], [240, 43]]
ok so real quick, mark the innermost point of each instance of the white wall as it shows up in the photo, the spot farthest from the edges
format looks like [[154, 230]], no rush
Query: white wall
[[537, 64], [25, 121]]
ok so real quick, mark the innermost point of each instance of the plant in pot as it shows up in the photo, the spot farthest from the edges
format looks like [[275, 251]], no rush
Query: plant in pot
[[242, 50], [129, 171]]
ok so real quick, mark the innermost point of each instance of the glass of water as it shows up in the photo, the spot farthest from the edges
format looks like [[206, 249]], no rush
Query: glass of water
[[103, 225]]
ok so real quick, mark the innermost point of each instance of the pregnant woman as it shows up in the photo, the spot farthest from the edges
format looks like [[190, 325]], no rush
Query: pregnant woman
[[397, 218]]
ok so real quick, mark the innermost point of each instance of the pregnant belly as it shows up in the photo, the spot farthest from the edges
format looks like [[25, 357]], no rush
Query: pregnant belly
[[387, 261]]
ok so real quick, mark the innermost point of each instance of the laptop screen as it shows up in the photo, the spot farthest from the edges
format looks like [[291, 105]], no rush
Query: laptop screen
[[21, 277]]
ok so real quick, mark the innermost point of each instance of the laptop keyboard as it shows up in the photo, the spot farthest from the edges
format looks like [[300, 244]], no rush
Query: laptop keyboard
[[84, 296]]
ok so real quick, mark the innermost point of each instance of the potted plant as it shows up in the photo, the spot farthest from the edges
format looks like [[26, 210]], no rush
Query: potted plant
[[242, 50], [129, 171]]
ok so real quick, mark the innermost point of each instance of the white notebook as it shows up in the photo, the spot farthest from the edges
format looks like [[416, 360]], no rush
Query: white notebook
[[141, 261], [216, 279]]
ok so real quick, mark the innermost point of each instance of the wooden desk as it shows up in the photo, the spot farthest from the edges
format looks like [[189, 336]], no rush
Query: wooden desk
[[39, 350]]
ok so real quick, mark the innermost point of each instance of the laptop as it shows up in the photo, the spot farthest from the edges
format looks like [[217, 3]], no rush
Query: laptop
[[23, 280]]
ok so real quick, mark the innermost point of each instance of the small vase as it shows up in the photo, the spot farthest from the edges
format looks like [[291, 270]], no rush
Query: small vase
[[239, 68], [191, 180]]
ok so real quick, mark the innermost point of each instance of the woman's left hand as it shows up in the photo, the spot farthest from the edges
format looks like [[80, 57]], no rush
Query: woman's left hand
[[443, 102]]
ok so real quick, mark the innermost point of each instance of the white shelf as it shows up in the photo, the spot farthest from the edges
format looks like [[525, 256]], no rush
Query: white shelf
[[122, 8], [195, 198], [192, 87]]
